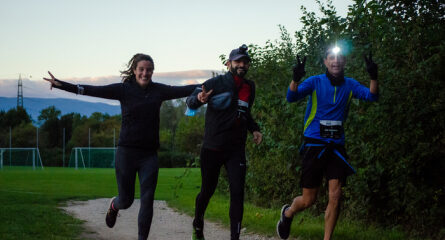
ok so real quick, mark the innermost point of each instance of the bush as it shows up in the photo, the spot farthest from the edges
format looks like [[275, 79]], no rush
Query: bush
[[396, 144]]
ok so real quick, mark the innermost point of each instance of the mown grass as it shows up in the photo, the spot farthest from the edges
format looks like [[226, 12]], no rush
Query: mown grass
[[29, 201]]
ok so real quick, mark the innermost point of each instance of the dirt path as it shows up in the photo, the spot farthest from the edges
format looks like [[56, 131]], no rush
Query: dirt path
[[167, 224]]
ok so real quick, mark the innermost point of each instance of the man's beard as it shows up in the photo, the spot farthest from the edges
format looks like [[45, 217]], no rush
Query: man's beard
[[234, 71]]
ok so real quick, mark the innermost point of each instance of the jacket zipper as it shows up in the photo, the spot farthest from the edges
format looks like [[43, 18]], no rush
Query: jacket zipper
[[335, 92]]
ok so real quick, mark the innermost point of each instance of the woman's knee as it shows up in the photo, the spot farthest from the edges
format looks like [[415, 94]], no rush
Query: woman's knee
[[147, 196]]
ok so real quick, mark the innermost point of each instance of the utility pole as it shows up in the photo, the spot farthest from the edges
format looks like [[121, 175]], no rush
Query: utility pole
[[10, 145], [63, 154], [89, 147], [34, 158], [20, 92]]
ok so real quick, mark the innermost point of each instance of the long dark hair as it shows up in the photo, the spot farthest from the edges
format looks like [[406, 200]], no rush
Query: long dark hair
[[128, 75]]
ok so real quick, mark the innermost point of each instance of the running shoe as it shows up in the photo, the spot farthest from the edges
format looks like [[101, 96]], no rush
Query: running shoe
[[198, 234], [284, 224], [110, 219]]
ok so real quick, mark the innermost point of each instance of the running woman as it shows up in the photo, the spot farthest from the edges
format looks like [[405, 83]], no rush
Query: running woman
[[323, 150], [230, 98], [140, 100]]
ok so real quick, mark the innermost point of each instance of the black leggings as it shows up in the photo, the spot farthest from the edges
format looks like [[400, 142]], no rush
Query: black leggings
[[145, 163], [211, 162]]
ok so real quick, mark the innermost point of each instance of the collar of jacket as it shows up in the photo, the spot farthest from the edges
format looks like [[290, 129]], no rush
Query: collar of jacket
[[230, 79], [136, 85], [335, 81], [238, 81]]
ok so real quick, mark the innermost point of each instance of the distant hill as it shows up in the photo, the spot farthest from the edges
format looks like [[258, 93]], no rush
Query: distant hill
[[34, 105]]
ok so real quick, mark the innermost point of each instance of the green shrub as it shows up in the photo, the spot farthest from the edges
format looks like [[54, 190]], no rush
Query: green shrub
[[397, 144]]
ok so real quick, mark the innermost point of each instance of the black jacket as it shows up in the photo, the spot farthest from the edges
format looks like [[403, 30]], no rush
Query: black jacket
[[223, 128], [140, 108]]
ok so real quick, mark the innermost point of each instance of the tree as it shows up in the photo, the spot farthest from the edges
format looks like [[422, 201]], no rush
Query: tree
[[24, 135], [50, 129], [99, 126], [396, 144], [189, 134], [14, 117], [49, 113]]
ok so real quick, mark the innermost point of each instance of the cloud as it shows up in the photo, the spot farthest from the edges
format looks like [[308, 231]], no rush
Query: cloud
[[186, 74], [192, 81], [40, 89]]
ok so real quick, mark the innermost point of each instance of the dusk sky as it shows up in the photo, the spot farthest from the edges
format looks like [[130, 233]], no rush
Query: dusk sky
[[91, 39]]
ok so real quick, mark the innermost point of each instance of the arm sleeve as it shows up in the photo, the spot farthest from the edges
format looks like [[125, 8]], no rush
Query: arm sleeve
[[361, 92], [112, 91], [173, 92], [192, 100], [252, 126], [304, 89]]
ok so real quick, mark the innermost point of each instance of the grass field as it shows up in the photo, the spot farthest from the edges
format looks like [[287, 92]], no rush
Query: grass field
[[29, 200]]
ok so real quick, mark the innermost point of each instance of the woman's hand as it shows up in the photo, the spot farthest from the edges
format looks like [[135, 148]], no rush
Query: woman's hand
[[53, 81]]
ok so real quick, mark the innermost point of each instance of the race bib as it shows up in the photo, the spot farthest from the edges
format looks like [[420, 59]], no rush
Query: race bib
[[331, 129]]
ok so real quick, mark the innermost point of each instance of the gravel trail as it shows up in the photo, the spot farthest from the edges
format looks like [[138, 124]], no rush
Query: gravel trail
[[167, 224]]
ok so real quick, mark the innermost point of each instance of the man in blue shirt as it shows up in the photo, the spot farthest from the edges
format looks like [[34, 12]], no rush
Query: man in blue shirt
[[323, 150]]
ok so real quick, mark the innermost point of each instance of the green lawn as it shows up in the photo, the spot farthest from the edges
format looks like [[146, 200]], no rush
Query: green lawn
[[29, 200]]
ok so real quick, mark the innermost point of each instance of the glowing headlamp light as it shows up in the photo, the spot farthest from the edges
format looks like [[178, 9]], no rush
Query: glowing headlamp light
[[336, 50]]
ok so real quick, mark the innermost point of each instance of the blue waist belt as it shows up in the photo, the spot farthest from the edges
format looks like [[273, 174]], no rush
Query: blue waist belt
[[326, 148]]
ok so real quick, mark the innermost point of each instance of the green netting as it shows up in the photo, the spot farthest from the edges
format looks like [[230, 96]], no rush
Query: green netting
[[20, 157], [92, 158]]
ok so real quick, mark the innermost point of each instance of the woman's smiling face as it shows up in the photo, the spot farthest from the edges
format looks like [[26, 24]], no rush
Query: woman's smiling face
[[143, 72]]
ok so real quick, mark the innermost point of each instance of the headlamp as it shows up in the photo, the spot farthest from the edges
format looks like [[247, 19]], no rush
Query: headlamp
[[336, 50], [242, 49]]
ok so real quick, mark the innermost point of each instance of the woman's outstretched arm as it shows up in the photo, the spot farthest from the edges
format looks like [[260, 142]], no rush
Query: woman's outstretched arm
[[112, 91], [173, 92]]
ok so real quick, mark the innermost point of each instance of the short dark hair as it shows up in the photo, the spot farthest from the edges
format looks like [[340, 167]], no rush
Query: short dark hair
[[128, 75]]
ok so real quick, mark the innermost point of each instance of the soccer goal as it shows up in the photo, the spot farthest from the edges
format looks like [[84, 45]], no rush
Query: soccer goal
[[94, 157], [20, 157]]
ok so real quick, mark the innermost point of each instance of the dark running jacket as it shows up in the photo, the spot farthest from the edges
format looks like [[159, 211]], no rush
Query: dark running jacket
[[140, 108], [223, 128]]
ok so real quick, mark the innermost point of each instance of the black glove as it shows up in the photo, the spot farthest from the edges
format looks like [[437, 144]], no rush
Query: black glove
[[298, 70], [371, 67]]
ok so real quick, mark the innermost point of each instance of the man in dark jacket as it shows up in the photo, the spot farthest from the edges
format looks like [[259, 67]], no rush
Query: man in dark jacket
[[230, 98]]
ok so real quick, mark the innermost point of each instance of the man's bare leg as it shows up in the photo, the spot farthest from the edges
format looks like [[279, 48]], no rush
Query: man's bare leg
[[333, 208], [302, 202]]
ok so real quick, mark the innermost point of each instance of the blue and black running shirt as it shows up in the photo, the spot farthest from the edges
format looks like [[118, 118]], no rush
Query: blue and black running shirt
[[327, 103]]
